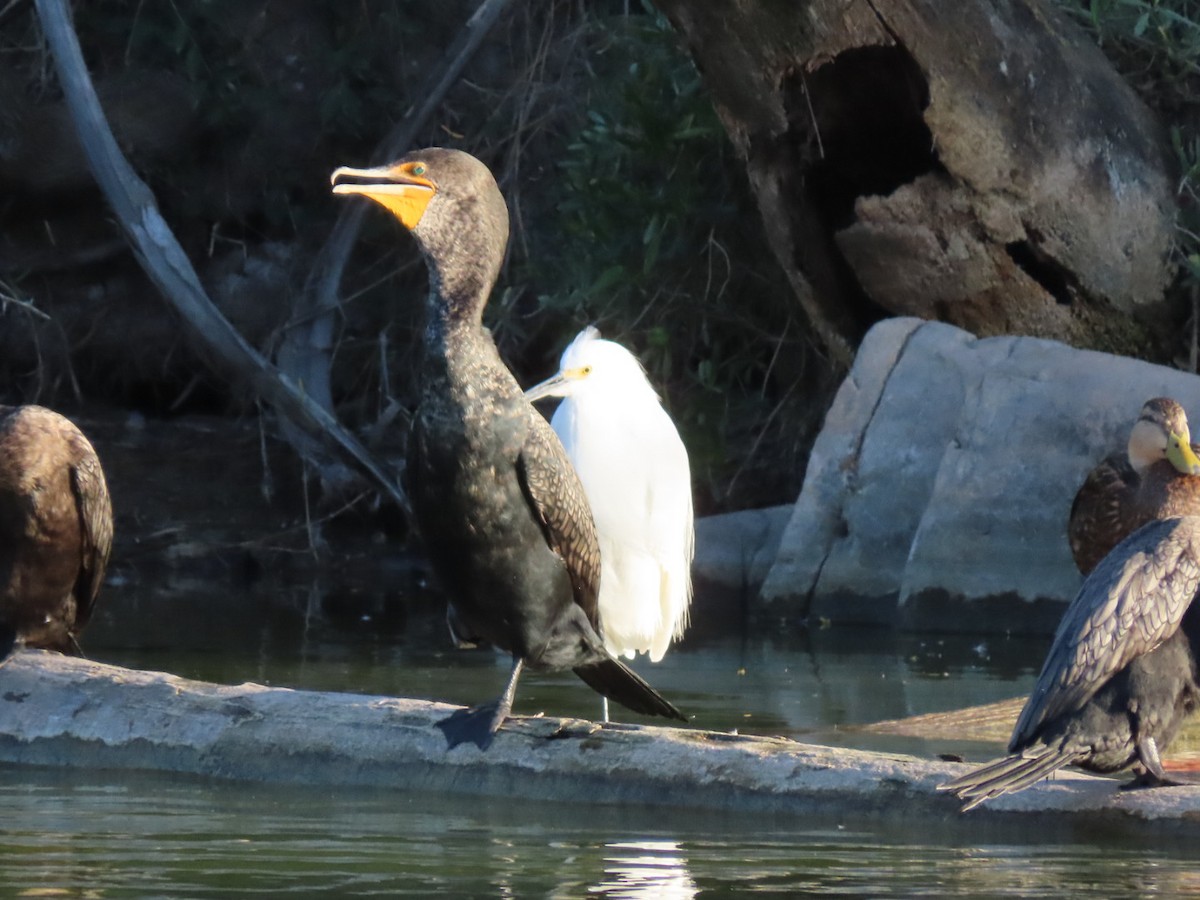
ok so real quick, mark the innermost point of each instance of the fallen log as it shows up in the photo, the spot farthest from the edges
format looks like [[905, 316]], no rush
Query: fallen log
[[60, 711]]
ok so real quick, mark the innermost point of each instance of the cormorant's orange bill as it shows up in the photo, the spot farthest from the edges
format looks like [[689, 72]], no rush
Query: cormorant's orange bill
[[400, 188]]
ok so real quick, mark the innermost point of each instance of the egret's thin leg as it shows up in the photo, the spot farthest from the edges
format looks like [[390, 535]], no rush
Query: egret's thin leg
[[604, 708]]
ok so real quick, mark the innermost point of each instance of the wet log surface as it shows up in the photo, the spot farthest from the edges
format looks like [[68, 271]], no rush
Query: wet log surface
[[65, 712]]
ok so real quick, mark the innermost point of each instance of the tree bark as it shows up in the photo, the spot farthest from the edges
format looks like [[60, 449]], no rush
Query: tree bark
[[977, 162]]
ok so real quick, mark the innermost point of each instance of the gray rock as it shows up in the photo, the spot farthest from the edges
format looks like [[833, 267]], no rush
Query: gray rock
[[938, 491], [736, 550]]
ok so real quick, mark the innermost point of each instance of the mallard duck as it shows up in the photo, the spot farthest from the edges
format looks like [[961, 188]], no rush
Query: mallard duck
[[56, 529], [1153, 479], [1121, 674], [504, 518]]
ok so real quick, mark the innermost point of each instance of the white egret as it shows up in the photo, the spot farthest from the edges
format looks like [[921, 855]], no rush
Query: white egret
[[634, 469]]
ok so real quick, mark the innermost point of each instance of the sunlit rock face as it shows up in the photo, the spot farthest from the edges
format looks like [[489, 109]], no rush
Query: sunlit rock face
[[938, 491]]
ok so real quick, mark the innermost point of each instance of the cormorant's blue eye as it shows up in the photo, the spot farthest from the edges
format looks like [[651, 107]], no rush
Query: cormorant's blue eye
[[418, 169]]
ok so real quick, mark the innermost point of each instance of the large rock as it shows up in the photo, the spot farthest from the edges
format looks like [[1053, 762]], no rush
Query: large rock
[[938, 491]]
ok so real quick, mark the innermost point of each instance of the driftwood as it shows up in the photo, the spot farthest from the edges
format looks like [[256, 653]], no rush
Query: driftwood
[[61, 711], [164, 261], [977, 162]]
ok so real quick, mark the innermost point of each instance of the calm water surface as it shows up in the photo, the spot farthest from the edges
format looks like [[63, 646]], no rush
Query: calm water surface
[[104, 835]]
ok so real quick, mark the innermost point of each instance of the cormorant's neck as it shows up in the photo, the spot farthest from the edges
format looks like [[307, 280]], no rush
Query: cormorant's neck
[[457, 297], [461, 278]]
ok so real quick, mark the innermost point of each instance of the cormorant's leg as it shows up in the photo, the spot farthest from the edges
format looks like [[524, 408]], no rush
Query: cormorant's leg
[[1153, 774], [604, 708], [479, 724]]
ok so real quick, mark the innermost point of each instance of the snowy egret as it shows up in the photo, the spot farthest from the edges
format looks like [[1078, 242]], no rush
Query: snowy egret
[[1155, 477], [635, 471], [1120, 677], [505, 521], [56, 529]]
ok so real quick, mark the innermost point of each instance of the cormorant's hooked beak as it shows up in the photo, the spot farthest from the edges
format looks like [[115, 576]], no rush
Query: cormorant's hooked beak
[[1181, 455], [399, 188]]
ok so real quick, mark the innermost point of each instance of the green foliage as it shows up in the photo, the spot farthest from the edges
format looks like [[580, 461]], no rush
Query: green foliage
[[1155, 38]]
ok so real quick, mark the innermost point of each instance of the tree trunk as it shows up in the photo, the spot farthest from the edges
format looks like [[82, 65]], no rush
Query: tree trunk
[[977, 162]]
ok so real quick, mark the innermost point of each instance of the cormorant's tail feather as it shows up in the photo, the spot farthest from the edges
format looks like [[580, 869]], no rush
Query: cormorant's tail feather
[[1013, 773], [8, 641], [616, 681]]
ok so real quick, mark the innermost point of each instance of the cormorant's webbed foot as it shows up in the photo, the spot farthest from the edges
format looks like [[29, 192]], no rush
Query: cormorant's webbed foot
[[1149, 771], [479, 724]]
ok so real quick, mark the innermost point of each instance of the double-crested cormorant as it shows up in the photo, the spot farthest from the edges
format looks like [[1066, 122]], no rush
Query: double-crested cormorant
[[1155, 478], [503, 515], [635, 471], [56, 529], [1121, 675]]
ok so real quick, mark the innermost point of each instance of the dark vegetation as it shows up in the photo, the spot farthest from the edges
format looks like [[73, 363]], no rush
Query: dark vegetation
[[630, 209]]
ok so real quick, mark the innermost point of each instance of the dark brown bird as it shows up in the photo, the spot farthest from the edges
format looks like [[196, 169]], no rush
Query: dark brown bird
[[1121, 675], [504, 517], [56, 529], [1154, 478]]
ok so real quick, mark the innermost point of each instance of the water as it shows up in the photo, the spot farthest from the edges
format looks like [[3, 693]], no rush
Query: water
[[154, 837], [106, 835]]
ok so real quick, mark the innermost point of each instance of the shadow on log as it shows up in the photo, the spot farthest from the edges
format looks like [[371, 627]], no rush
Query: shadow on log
[[978, 163], [61, 711]]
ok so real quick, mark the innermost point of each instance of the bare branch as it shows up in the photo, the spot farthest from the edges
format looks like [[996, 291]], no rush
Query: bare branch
[[168, 267]]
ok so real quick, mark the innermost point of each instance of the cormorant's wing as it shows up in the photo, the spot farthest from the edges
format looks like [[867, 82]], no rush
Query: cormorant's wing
[[1133, 601], [1098, 513], [96, 533], [558, 500]]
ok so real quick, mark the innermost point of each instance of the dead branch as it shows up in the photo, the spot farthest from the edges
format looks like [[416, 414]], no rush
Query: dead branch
[[168, 267], [306, 353]]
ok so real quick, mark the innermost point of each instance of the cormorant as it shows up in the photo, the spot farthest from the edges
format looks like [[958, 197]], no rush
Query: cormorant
[[504, 518], [635, 471], [1153, 479], [56, 529], [1121, 674]]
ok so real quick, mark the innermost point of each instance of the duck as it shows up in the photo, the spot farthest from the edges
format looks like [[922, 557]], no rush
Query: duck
[[56, 530], [1154, 478], [1121, 675], [504, 519]]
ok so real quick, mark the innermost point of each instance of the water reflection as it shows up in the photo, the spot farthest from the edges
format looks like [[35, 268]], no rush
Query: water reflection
[[640, 870], [80, 834]]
